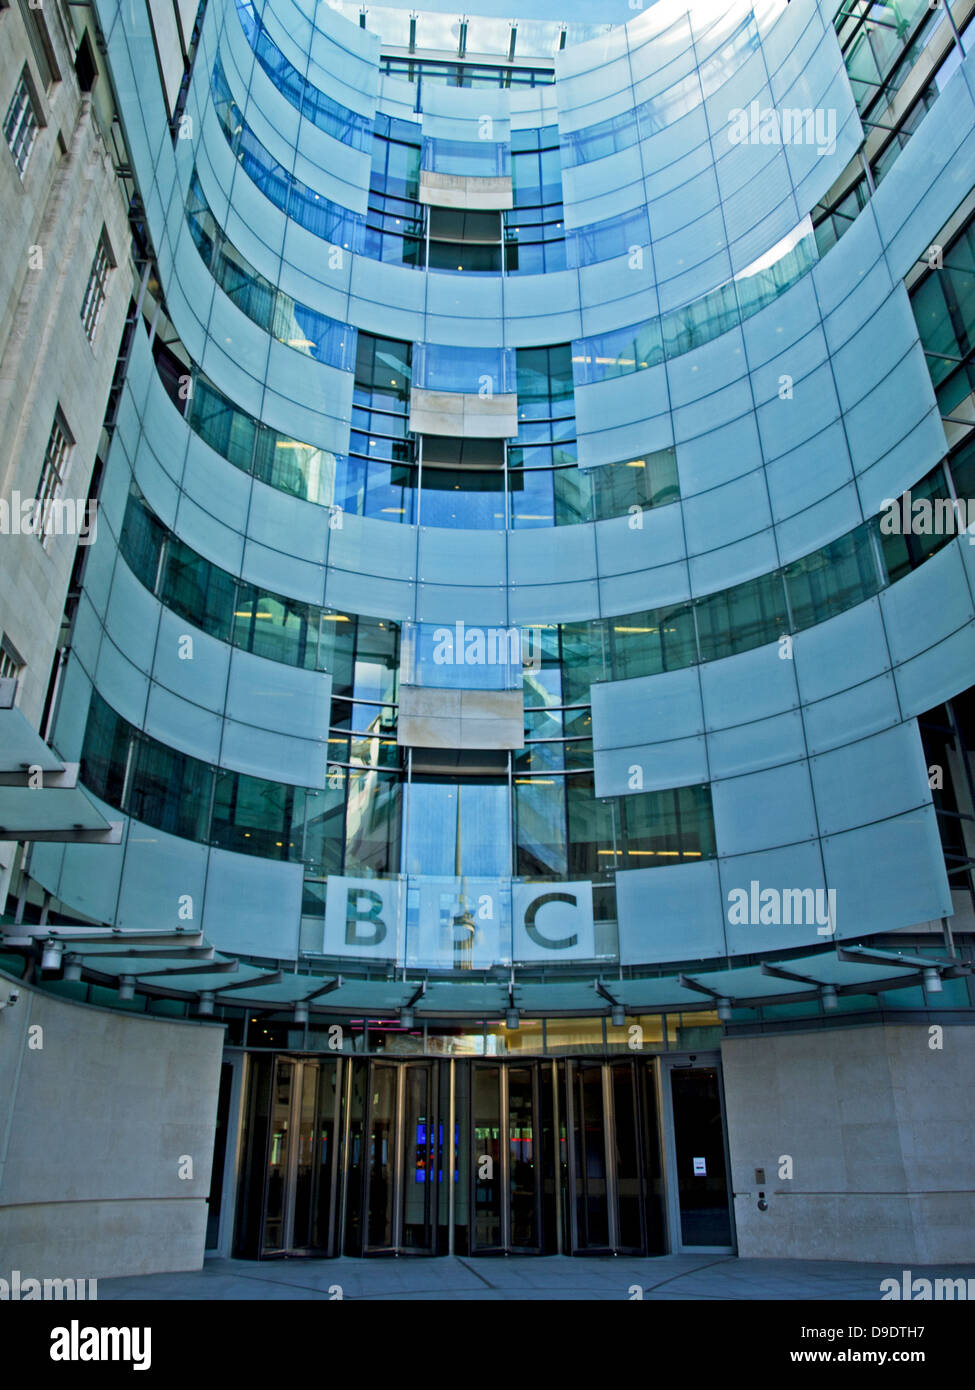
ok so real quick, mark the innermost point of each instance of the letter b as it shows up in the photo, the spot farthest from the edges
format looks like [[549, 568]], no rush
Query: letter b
[[353, 937]]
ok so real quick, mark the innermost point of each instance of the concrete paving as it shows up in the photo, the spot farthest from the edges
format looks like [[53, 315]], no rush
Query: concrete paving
[[523, 1279]]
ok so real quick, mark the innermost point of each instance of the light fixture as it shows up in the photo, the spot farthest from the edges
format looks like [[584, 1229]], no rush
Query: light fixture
[[724, 1010], [828, 996], [126, 987], [511, 1018], [72, 968], [301, 1012], [51, 957], [204, 1005], [932, 980], [618, 1015]]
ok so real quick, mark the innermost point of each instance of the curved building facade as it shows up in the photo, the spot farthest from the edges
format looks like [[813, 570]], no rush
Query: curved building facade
[[531, 618]]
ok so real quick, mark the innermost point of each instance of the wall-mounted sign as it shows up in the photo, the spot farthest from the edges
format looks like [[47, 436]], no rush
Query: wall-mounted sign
[[552, 921], [364, 917], [462, 923], [700, 1167]]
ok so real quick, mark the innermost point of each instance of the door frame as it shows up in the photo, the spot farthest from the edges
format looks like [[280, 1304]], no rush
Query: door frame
[[316, 1062], [290, 1165], [573, 1177], [233, 1159], [533, 1066], [608, 1064], [397, 1153], [685, 1061]]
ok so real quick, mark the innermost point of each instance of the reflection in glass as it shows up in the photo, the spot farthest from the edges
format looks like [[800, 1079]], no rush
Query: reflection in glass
[[589, 1147], [422, 1159], [277, 1160], [523, 1159], [380, 1157], [486, 1156], [458, 828]]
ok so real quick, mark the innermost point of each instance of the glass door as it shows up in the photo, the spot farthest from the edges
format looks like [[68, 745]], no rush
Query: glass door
[[394, 1158], [422, 1159], [588, 1187], [286, 1202], [699, 1158], [487, 1167], [506, 1159], [628, 1159], [316, 1158], [278, 1190], [379, 1165], [613, 1158], [524, 1159], [375, 1156]]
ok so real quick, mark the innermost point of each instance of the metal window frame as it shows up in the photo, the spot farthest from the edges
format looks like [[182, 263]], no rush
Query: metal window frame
[[96, 291], [22, 123]]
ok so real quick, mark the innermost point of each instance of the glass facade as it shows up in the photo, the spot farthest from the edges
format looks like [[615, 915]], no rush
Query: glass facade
[[594, 366]]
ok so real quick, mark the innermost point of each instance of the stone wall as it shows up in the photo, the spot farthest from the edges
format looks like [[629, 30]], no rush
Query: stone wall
[[96, 1124], [880, 1127]]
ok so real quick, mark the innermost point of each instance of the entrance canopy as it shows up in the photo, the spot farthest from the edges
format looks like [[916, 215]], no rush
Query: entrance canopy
[[180, 965]]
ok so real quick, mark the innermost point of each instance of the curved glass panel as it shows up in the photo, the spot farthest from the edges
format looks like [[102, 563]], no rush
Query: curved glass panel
[[315, 105]]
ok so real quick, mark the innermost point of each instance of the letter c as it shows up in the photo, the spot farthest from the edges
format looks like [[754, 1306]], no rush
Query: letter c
[[564, 942]]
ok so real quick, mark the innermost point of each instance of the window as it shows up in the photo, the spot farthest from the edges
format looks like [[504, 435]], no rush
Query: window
[[20, 125], [56, 456], [85, 66], [40, 42], [11, 662], [94, 300]]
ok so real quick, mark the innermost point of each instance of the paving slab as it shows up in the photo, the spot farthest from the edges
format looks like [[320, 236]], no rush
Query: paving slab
[[522, 1278]]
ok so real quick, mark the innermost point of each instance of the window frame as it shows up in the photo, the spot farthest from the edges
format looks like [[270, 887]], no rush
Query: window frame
[[32, 105], [93, 304], [57, 464]]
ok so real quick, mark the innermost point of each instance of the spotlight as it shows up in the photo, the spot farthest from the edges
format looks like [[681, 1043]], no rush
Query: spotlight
[[618, 1015], [301, 1013], [126, 987], [932, 980], [204, 1005], [72, 968], [511, 1018], [724, 1010], [51, 958], [828, 996]]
